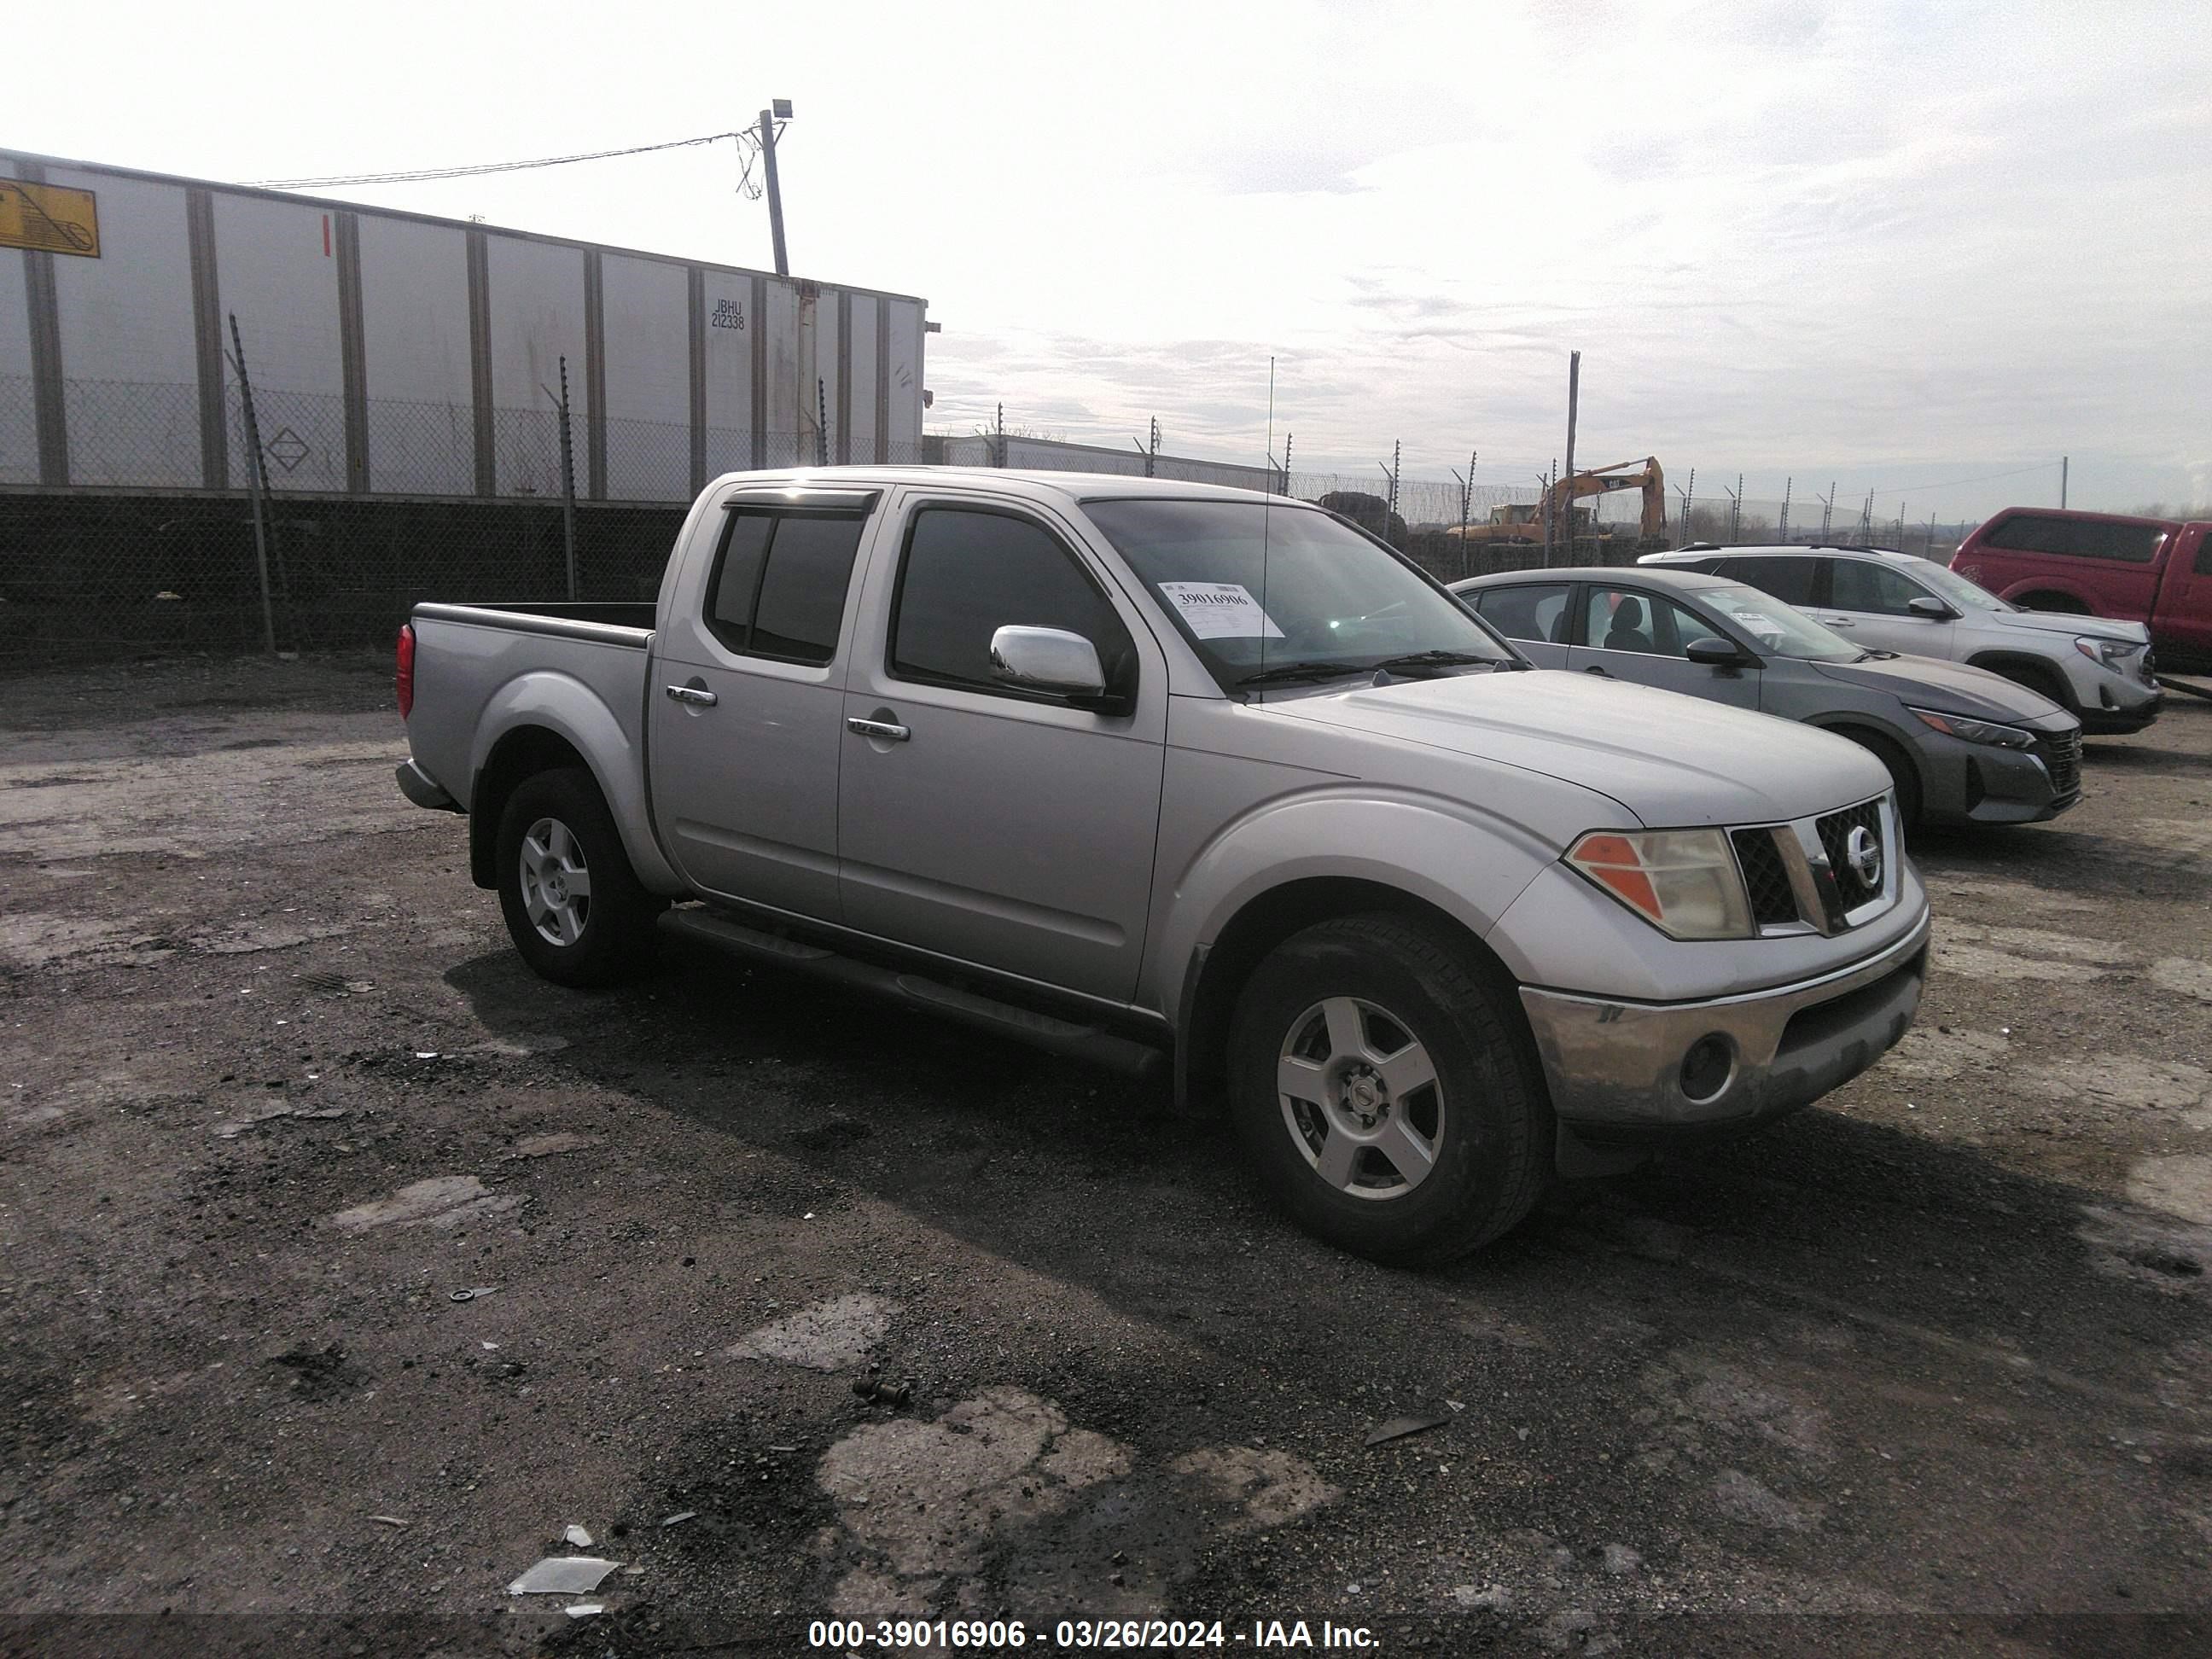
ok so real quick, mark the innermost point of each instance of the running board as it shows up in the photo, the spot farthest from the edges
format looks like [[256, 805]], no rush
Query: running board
[[1046, 1031]]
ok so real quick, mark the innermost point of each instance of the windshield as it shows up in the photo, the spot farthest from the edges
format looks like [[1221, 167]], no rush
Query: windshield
[[1782, 630], [1324, 598], [1968, 596]]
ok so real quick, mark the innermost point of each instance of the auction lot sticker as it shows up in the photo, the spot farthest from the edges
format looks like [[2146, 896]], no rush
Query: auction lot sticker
[[1221, 610]]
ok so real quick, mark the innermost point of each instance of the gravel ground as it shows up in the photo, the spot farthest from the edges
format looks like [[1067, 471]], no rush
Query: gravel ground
[[1927, 1368]]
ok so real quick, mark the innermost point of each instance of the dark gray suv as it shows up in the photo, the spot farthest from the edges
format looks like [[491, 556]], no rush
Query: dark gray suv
[[1963, 745]]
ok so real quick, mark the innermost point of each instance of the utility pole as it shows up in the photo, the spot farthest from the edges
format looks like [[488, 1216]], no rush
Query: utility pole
[[1827, 508], [1735, 508], [1574, 401], [1688, 492], [779, 110], [2064, 461], [1781, 530], [1286, 463]]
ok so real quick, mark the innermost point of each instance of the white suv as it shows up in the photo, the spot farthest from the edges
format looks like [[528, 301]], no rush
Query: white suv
[[2092, 666]]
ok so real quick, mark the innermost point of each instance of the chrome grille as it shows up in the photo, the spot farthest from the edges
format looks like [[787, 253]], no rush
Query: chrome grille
[[1834, 829]]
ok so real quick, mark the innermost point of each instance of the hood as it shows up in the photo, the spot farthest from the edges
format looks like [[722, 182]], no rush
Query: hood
[[2068, 625], [1951, 688], [1673, 761]]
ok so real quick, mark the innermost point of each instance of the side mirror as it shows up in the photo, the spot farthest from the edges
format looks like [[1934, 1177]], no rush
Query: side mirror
[[1049, 659], [1714, 653], [1928, 605]]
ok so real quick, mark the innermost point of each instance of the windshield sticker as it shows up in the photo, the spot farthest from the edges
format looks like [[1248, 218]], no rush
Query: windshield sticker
[[1221, 610], [1760, 623]]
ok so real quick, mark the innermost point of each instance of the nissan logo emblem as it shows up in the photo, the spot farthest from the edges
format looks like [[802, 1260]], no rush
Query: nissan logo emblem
[[1864, 853]]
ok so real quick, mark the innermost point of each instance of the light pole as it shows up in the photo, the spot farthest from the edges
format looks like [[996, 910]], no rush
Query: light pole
[[779, 110]]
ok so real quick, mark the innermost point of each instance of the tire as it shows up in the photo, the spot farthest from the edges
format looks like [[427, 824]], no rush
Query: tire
[[606, 933], [1904, 775], [1380, 995]]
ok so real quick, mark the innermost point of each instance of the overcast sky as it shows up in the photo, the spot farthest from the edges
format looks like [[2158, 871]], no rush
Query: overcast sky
[[1888, 246]]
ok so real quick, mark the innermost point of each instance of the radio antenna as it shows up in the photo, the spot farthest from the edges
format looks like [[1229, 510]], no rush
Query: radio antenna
[[1266, 503]]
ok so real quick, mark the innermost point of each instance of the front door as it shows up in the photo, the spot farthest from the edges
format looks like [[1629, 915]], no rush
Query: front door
[[1005, 828], [1637, 636], [1870, 605], [747, 711]]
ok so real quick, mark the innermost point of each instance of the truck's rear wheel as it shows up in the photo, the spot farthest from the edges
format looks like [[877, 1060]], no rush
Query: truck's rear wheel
[[1379, 1077], [573, 904]]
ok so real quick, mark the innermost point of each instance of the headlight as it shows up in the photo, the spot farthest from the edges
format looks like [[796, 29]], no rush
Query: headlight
[[2108, 653], [1989, 732], [1683, 881]]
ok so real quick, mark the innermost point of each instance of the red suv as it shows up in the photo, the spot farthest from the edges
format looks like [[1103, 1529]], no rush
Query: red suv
[[2157, 571]]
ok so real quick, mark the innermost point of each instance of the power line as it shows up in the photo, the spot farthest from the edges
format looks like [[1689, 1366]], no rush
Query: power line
[[1986, 477], [478, 169]]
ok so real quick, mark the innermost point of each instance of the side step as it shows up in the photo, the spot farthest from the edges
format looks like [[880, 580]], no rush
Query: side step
[[1046, 1031]]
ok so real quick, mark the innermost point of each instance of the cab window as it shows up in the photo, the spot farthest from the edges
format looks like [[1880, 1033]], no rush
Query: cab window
[[779, 584], [968, 572]]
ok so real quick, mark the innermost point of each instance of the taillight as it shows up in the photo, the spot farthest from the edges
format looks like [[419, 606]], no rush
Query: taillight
[[402, 677]]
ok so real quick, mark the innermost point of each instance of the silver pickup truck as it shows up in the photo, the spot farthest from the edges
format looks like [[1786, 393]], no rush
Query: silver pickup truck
[[1159, 774]]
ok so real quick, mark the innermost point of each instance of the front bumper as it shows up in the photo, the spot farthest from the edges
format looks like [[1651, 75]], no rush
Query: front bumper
[[2123, 716], [1615, 1068]]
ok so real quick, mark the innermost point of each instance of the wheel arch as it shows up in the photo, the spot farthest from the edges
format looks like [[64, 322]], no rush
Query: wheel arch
[[2045, 673], [520, 753], [1218, 970], [2050, 594]]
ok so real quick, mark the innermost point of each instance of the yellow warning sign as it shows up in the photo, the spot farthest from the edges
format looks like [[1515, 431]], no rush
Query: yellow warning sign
[[50, 217]]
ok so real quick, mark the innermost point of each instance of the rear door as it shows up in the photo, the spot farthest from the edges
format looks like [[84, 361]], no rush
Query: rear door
[[996, 826], [1636, 635], [1534, 615], [747, 702], [1869, 603]]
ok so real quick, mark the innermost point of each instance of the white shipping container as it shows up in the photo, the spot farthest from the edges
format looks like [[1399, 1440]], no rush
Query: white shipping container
[[397, 354]]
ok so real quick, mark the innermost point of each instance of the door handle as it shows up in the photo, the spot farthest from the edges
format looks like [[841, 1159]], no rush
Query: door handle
[[698, 694], [1601, 673], [1838, 622], [888, 731]]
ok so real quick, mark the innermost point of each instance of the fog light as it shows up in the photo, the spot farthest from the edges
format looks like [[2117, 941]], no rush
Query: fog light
[[1706, 1068]]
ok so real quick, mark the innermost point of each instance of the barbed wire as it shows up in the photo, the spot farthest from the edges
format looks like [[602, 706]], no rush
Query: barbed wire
[[420, 175]]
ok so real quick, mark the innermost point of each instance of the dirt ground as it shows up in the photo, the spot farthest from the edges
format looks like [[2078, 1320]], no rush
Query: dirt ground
[[1927, 1368]]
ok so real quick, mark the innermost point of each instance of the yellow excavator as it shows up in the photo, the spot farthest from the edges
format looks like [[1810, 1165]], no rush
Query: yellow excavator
[[1523, 521]]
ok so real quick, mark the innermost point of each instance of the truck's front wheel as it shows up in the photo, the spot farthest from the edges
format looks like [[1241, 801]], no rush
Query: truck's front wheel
[[1379, 1078], [573, 904]]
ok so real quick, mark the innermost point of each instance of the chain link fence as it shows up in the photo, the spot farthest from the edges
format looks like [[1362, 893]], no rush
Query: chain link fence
[[154, 544]]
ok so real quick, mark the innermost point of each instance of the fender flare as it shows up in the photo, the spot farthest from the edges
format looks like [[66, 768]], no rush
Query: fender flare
[[547, 700]]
